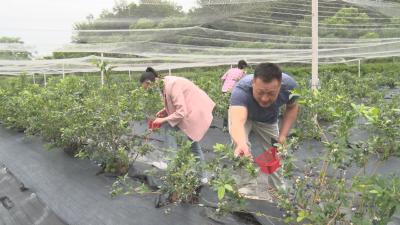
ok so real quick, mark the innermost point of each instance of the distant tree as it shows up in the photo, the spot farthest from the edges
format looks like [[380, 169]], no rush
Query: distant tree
[[370, 35], [170, 22], [10, 53], [347, 16], [123, 11], [5, 39], [393, 28], [143, 23], [335, 26]]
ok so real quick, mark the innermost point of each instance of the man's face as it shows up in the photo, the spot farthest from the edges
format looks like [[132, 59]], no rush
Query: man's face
[[265, 93]]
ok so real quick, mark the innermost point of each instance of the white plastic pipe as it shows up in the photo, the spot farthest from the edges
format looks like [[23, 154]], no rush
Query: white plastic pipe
[[63, 71], [44, 78], [101, 71], [314, 60]]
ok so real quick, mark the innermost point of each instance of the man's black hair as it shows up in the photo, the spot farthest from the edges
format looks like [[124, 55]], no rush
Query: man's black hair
[[268, 72]]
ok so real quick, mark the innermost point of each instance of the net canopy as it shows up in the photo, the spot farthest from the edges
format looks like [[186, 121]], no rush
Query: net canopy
[[133, 36]]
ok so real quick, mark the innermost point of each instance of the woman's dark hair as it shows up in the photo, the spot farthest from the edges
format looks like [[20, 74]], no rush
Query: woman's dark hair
[[150, 74], [268, 72], [242, 64]]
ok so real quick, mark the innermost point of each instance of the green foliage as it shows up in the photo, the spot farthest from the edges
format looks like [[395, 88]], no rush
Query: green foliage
[[384, 126], [379, 200], [171, 22], [347, 16], [223, 166], [105, 69], [114, 19], [324, 194], [5, 39], [183, 177], [143, 23], [286, 156], [370, 35], [211, 84], [148, 102], [77, 113], [121, 186], [13, 55]]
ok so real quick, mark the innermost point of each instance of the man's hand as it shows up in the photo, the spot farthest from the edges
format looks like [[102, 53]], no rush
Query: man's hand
[[243, 150], [282, 139], [162, 113], [238, 117]]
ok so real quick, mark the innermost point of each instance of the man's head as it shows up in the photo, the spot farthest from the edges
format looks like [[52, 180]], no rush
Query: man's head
[[266, 83]]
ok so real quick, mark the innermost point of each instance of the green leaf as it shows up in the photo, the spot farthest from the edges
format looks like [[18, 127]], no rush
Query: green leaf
[[221, 192], [375, 111], [373, 192], [299, 219], [228, 187], [301, 215]]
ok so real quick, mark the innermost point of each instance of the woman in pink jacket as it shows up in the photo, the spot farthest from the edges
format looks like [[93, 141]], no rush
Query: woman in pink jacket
[[233, 75], [230, 78], [186, 106]]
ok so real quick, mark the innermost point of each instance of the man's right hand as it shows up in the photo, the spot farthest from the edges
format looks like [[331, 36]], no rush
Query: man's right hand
[[243, 150]]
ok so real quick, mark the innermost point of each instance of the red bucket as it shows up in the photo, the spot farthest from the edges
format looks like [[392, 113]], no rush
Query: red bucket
[[152, 126], [269, 161]]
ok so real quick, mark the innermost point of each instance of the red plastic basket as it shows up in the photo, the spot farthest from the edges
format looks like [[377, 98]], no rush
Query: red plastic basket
[[152, 126], [269, 161]]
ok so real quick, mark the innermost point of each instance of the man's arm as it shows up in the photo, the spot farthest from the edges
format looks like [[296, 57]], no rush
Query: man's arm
[[289, 117], [237, 120]]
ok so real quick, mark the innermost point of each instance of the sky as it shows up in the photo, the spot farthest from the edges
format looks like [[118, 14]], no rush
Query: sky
[[46, 25]]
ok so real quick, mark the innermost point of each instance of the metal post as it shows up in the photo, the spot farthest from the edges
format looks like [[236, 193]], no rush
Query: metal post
[[130, 77], [44, 78], [63, 70], [314, 63], [359, 68], [101, 70], [34, 81], [169, 71]]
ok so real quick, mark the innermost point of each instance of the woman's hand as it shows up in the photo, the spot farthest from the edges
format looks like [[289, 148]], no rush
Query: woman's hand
[[162, 113], [159, 121]]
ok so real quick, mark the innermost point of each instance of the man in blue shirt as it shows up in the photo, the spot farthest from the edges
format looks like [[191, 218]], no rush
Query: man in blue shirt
[[254, 107]]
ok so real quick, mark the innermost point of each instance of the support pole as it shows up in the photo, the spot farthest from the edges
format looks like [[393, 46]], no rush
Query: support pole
[[63, 71], [44, 78], [130, 77], [101, 70], [314, 63], [359, 68]]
